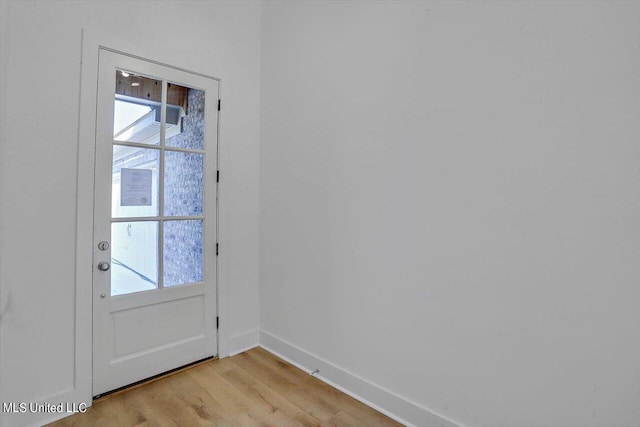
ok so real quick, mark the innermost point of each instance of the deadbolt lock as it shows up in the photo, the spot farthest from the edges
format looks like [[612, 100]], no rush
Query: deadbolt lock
[[103, 246]]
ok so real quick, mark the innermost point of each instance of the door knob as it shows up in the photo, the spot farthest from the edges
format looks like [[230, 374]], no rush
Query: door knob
[[103, 266]]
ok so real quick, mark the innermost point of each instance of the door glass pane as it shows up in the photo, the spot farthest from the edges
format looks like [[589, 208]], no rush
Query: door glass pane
[[136, 110], [185, 117], [182, 252], [183, 174], [134, 256], [134, 182]]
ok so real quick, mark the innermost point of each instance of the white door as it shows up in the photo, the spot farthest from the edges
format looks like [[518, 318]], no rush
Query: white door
[[154, 286]]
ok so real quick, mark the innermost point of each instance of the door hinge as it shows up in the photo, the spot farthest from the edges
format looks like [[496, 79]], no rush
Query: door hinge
[[217, 322], [219, 102], [217, 176], [217, 251]]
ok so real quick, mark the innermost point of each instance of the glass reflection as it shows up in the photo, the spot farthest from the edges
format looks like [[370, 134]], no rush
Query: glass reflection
[[134, 257], [182, 259]]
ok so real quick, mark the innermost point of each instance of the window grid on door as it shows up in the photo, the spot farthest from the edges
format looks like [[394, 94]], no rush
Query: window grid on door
[[194, 221]]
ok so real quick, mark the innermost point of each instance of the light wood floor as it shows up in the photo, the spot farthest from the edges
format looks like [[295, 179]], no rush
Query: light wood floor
[[254, 388]]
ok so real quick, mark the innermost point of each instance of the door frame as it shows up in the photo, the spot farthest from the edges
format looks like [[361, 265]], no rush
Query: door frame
[[92, 42]]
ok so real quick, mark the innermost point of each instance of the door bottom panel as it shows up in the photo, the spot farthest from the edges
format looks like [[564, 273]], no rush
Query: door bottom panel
[[153, 378]]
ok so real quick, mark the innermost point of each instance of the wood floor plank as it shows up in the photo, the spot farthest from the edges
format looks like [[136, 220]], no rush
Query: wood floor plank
[[283, 384], [272, 402], [233, 400], [251, 389], [331, 395], [343, 419], [204, 409]]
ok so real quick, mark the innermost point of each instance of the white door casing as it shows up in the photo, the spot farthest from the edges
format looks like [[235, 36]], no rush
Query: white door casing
[[139, 333]]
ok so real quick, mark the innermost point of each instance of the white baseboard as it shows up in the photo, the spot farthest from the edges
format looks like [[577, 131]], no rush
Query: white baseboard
[[243, 342], [396, 407]]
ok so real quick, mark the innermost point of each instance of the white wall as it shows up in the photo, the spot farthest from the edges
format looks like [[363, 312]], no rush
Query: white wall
[[41, 47], [449, 202]]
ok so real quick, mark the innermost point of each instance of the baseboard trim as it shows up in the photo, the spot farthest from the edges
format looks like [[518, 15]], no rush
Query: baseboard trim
[[243, 342], [396, 407]]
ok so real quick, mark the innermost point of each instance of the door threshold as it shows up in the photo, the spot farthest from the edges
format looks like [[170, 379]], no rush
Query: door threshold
[[160, 376]]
